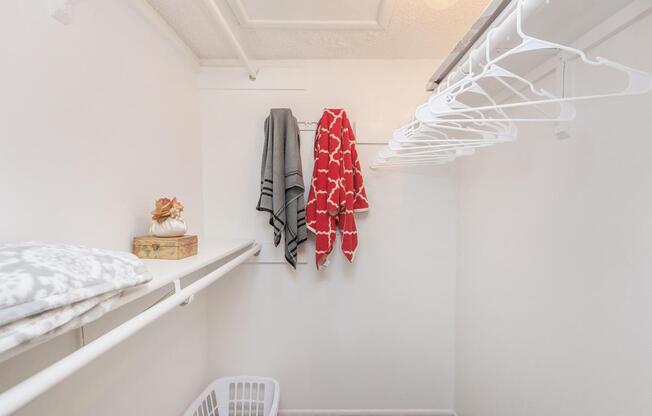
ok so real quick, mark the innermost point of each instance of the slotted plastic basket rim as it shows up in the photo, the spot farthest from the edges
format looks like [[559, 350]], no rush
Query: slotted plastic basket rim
[[197, 403]]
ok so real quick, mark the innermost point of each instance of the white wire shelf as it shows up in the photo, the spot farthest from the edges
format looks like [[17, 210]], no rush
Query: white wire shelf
[[165, 272]]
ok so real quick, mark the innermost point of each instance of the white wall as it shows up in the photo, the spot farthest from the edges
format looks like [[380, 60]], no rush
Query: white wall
[[376, 334], [554, 273], [97, 119], [549, 239]]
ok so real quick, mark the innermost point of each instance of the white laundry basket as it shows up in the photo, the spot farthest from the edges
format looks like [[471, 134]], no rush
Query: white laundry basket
[[237, 396]]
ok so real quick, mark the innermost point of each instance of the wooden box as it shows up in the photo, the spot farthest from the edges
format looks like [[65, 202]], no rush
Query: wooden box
[[168, 248]]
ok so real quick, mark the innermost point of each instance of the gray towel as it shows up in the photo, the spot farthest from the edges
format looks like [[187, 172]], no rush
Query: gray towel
[[281, 182]]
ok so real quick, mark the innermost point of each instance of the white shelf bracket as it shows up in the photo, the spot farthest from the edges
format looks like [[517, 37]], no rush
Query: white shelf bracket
[[565, 83], [177, 289]]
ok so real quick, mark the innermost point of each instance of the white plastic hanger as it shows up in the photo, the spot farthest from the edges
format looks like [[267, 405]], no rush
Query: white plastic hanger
[[462, 115], [451, 102], [639, 82]]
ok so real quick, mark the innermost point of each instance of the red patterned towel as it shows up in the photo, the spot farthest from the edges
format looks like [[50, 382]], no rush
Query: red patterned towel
[[337, 190]]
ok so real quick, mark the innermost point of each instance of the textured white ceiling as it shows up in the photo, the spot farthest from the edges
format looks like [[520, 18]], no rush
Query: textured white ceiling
[[314, 29], [310, 10]]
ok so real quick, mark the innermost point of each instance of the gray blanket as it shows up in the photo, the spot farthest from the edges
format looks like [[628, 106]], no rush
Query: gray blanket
[[281, 182], [47, 289]]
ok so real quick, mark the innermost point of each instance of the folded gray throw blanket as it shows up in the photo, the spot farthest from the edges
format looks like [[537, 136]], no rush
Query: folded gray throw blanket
[[47, 289], [281, 182]]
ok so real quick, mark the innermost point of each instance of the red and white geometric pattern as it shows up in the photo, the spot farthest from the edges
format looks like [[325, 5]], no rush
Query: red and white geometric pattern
[[336, 190]]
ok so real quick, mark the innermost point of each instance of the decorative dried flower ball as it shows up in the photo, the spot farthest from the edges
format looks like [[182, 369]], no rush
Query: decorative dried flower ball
[[166, 208]]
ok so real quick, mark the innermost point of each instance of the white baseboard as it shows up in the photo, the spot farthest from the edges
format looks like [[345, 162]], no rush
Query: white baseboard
[[366, 412]]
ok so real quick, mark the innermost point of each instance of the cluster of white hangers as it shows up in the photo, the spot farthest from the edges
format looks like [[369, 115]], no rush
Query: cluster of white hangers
[[481, 101]]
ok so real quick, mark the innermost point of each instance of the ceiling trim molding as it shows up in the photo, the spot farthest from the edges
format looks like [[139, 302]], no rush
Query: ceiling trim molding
[[383, 16]]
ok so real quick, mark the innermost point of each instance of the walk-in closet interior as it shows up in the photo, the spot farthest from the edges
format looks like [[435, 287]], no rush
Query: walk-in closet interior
[[326, 207]]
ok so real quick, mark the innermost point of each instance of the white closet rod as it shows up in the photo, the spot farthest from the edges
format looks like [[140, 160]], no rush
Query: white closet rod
[[219, 18], [24, 392], [312, 126]]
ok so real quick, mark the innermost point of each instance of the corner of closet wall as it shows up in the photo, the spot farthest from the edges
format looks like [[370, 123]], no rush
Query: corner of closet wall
[[292, 325], [553, 302], [101, 122], [99, 118]]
